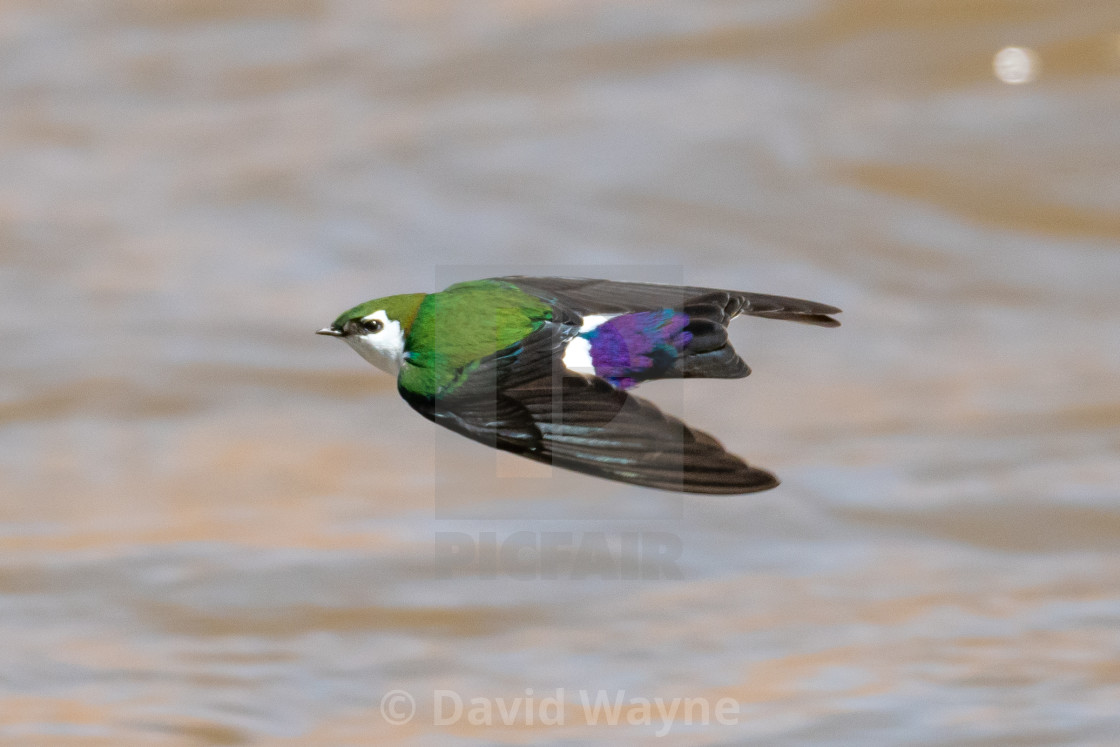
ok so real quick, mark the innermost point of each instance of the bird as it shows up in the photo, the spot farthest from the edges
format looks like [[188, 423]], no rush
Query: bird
[[544, 367]]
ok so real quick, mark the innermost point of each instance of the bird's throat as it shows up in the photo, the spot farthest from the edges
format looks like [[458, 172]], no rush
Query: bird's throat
[[383, 350]]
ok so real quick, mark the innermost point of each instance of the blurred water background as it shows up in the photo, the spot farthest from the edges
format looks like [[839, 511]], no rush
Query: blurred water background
[[217, 528]]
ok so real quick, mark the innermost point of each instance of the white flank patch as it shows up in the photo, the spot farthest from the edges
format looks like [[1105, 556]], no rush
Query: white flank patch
[[383, 349], [577, 356], [591, 321], [577, 353]]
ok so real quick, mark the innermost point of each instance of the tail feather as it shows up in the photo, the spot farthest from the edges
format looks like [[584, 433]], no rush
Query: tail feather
[[708, 354], [706, 335], [723, 363]]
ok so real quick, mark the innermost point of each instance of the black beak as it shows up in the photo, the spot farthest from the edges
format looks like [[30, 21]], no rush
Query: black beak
[[331, 331]]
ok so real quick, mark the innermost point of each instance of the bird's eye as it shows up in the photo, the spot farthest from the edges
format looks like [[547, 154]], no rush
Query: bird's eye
[[373, 325]]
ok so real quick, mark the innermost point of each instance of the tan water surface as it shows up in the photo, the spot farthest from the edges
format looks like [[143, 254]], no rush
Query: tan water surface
[[218, 528]]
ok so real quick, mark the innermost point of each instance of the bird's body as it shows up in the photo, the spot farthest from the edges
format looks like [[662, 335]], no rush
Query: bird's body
[[542, 367]]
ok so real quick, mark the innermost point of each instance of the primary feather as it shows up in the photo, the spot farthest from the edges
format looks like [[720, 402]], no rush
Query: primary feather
[[585, 424], [587, 296]]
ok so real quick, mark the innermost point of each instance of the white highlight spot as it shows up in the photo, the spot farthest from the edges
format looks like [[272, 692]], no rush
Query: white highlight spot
[[1015, 65]]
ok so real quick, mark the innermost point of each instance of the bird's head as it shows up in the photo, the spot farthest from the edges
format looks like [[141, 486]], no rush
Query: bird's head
[[377, 329]]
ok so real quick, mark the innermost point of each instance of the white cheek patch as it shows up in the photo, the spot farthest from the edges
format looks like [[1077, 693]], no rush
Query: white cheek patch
[[577, 353], [384, 348]]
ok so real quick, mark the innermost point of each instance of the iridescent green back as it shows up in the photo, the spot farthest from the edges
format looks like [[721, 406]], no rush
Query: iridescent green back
[[457, 327]]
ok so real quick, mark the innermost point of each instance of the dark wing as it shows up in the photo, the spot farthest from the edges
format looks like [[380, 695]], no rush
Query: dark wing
[[586, 296], [584, 424]]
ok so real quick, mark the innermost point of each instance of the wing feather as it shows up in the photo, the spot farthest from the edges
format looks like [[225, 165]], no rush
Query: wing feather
[[589, 296], [584, 424]]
